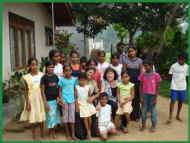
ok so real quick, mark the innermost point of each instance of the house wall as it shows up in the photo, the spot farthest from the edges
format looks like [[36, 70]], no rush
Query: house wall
[[41, 18]]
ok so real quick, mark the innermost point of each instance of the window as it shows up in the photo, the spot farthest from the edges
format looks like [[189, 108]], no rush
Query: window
[[49, 36], [22, 47]]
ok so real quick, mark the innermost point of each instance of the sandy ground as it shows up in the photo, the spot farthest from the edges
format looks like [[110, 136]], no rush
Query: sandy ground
[[177, 131]]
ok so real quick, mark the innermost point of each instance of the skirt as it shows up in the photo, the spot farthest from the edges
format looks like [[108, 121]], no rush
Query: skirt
[[53, 116], [127, 108], [37, 113], [86, 109]]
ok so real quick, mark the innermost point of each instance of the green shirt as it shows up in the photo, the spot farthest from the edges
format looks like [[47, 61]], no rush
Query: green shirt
[[125, 89]]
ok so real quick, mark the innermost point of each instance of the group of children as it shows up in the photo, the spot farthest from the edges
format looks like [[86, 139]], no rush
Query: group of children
[[112, 91]]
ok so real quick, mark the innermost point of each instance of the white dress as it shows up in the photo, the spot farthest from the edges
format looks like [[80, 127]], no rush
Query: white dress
[[104, 119], [86, 109]]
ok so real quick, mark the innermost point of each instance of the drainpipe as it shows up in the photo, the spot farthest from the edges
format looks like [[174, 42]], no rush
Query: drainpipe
[[53, 23]]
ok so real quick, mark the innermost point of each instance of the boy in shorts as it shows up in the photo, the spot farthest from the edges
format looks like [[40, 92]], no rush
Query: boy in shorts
[[179, 72]]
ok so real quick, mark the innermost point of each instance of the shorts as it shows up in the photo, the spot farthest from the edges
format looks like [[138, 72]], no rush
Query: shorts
[[68, 113], [178, 94], [105, 127]]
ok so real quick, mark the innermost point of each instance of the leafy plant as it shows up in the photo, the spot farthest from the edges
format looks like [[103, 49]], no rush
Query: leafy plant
[[62, 42], [122, 33]]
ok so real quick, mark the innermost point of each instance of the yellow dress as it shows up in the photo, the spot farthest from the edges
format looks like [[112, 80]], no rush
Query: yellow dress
[[37, 113]]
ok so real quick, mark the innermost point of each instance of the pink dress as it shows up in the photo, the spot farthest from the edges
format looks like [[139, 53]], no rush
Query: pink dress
[[97, 78]]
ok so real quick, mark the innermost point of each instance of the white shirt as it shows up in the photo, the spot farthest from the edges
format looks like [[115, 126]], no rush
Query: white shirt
[[36, 79], [82, 92], [102, 67], [118, 69], [104, 115], [58, 70], [179, 74]]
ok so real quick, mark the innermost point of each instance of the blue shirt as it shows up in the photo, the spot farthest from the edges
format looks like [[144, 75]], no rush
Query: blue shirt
[[68, 86]]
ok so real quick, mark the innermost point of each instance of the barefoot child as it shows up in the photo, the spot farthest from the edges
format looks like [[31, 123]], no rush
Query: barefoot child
[[149, 91], [85, 100], [102, 64], [67, 95], [105, 124], [126, 95], [74, 62], [50, 92], [179, 72], [34, 111], [54, 56], [116, 65]]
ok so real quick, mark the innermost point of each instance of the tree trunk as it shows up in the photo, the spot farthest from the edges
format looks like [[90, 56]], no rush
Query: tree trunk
[[169, 22], [131, 34]]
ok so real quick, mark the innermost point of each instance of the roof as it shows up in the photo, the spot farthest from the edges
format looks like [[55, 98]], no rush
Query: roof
[[62, 13]]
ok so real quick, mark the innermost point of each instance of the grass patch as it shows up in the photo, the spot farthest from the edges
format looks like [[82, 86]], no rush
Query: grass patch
[[165, 88]]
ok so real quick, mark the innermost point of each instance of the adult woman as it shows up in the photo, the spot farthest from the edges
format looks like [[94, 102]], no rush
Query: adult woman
[[134, 68]]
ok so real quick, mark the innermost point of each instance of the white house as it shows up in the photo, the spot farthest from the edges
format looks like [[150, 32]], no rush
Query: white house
[[27, 31]]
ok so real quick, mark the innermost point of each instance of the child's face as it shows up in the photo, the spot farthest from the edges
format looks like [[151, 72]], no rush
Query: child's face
[[120, 48], [132, 52], [181, 61], [103, 101], [74, 58], [83, 64], [115, 61], [110, 76], [67, 71], [148, 67], [101, 58], [34, 66], [82, 82], [50, 69], [92, 64], [125, 78], [90, 74], [56, 57], [62, 58]]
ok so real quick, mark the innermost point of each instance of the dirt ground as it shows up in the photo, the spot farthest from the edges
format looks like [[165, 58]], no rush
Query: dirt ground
[[177, 131]]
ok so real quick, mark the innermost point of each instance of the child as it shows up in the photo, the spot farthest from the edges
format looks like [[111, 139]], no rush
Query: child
[[109, 85], [105, 124], [179, 72], [102, 64], [149, 89], [67, 95], [126, 95], [50, 92], [34, 111], [134, 68], [54, 56], [62, 58], [116, 65], [84, 98], [97, 75], [83, 64], [74, 57], [91, 82]]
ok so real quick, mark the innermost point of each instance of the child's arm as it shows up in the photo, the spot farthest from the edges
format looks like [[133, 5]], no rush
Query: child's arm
[[59, 100], [141, 92], [28, 107], [42, 88], [76, 100], [132, 92], [118, 95]]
